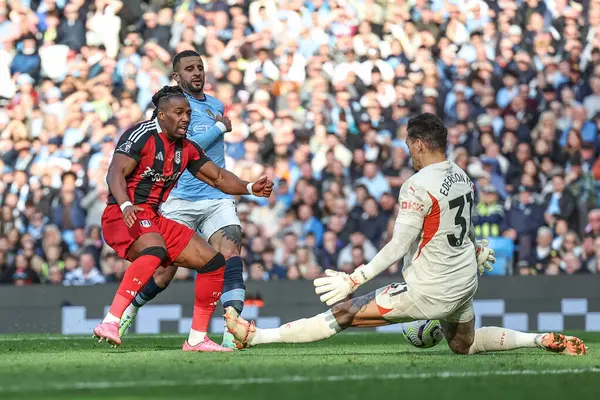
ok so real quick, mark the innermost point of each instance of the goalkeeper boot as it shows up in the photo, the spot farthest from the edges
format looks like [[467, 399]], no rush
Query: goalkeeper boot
[[108, 331], [127, 319], [553, 341], [242, 330], [575, 347]]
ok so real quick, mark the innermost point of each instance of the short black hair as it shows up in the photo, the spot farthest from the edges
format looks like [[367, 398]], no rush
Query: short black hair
[[430, 129], [163, 94], [183, 54]]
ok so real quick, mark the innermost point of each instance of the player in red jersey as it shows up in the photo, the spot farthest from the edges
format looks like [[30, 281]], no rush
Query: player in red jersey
[[149, 159]]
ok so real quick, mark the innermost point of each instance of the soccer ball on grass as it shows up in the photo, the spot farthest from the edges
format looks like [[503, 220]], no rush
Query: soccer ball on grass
[[423, 334]]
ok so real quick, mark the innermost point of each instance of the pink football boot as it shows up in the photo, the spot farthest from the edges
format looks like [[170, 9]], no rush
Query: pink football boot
[[206, 345]]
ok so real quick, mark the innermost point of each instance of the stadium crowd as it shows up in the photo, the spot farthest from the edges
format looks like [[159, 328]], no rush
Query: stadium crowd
[[319, 93]]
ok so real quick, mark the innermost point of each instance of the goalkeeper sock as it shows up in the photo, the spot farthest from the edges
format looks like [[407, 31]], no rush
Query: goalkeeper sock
[[491, 338], [207, 291], [304, 330], [136, 276], [150, 291]]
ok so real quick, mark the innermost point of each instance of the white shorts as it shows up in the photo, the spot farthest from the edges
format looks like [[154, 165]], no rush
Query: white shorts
[[397, 303], [204, 216]]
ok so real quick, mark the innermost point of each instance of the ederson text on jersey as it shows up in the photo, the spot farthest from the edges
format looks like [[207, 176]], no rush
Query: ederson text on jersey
[[441, 263], [203, 131]]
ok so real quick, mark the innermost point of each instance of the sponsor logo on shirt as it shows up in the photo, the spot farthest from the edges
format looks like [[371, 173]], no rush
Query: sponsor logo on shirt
[[125, 147], [155, 176], [411, 205]]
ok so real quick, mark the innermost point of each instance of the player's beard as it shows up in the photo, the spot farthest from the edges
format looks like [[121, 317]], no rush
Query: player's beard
[[191, 89]]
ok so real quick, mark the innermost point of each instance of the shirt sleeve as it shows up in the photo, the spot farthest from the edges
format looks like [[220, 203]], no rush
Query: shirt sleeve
[[415, 203], [133, 140], [206, 139], [196, 157]]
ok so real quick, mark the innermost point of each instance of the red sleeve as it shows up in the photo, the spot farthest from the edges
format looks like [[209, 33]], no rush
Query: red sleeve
[[133, 140], [196, 157]]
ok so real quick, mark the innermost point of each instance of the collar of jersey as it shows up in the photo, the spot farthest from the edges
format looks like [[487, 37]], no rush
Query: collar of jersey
[[190, 97], [158, 128]]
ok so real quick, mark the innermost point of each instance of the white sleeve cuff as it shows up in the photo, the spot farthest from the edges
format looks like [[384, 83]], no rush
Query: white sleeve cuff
[[221, 126]]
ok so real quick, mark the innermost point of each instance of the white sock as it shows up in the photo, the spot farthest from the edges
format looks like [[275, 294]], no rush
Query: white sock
[[131, 310], [491, 338], [111, 318], [195, 337], [263, 336], [303, 330]]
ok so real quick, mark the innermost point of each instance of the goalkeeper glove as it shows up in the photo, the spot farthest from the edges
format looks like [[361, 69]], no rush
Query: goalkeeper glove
[[485, 256]]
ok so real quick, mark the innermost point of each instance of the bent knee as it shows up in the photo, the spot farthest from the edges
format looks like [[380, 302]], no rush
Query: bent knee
[[218, 261], [156, 251], [229, 251]]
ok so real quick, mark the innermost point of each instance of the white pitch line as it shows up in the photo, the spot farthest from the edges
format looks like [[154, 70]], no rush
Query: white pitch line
[[294, 379]]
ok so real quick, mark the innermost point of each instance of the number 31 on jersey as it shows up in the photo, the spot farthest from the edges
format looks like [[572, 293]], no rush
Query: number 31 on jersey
[[461, 220]]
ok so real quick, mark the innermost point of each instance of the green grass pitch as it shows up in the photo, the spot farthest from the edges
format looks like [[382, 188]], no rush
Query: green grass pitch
[[349, 366]]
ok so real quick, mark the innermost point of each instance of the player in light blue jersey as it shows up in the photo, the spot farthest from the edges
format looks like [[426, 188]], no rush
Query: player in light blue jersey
[[201, 207]]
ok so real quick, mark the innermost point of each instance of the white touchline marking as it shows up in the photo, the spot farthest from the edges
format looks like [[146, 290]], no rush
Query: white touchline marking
[[294, 379]]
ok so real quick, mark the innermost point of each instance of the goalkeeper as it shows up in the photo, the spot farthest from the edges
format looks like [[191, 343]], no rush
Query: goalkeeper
[[433, 230]]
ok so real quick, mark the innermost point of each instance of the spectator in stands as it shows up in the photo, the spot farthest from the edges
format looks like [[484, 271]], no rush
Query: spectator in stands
[[543, 253], [87, 273], [318, 103], [310, 224], [55, 275], [20, 273], [71, 31], [357, 239], [268, 260], [372, 223], [572, 265], [522, 220], [594, 263], [561, 204], [374, 181], [489, 214]]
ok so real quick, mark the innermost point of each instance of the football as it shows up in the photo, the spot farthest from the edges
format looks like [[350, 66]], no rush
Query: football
[[424, 334]]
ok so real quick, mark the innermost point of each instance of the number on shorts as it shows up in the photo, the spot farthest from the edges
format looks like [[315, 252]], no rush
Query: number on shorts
[[459, 219]]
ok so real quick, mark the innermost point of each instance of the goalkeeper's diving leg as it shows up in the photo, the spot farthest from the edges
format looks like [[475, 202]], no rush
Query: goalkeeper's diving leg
[[361, 311], [385, 306], [463, 338], [392, 304]]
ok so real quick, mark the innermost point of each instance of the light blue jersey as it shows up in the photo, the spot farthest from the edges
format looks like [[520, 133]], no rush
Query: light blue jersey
[[203, 131]]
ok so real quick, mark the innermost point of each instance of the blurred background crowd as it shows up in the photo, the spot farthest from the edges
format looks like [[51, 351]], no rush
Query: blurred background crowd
[[319, 92]]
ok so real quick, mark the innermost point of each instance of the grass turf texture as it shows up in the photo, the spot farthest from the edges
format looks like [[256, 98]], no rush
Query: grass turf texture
[[348, 366]]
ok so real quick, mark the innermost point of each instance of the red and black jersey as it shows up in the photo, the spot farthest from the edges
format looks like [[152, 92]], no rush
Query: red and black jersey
[[160, 162]]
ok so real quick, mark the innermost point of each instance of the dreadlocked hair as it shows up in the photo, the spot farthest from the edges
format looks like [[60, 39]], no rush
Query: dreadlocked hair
[[165, 93]]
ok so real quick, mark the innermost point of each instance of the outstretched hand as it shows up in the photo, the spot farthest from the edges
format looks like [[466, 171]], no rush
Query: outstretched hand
[[262, 187]]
